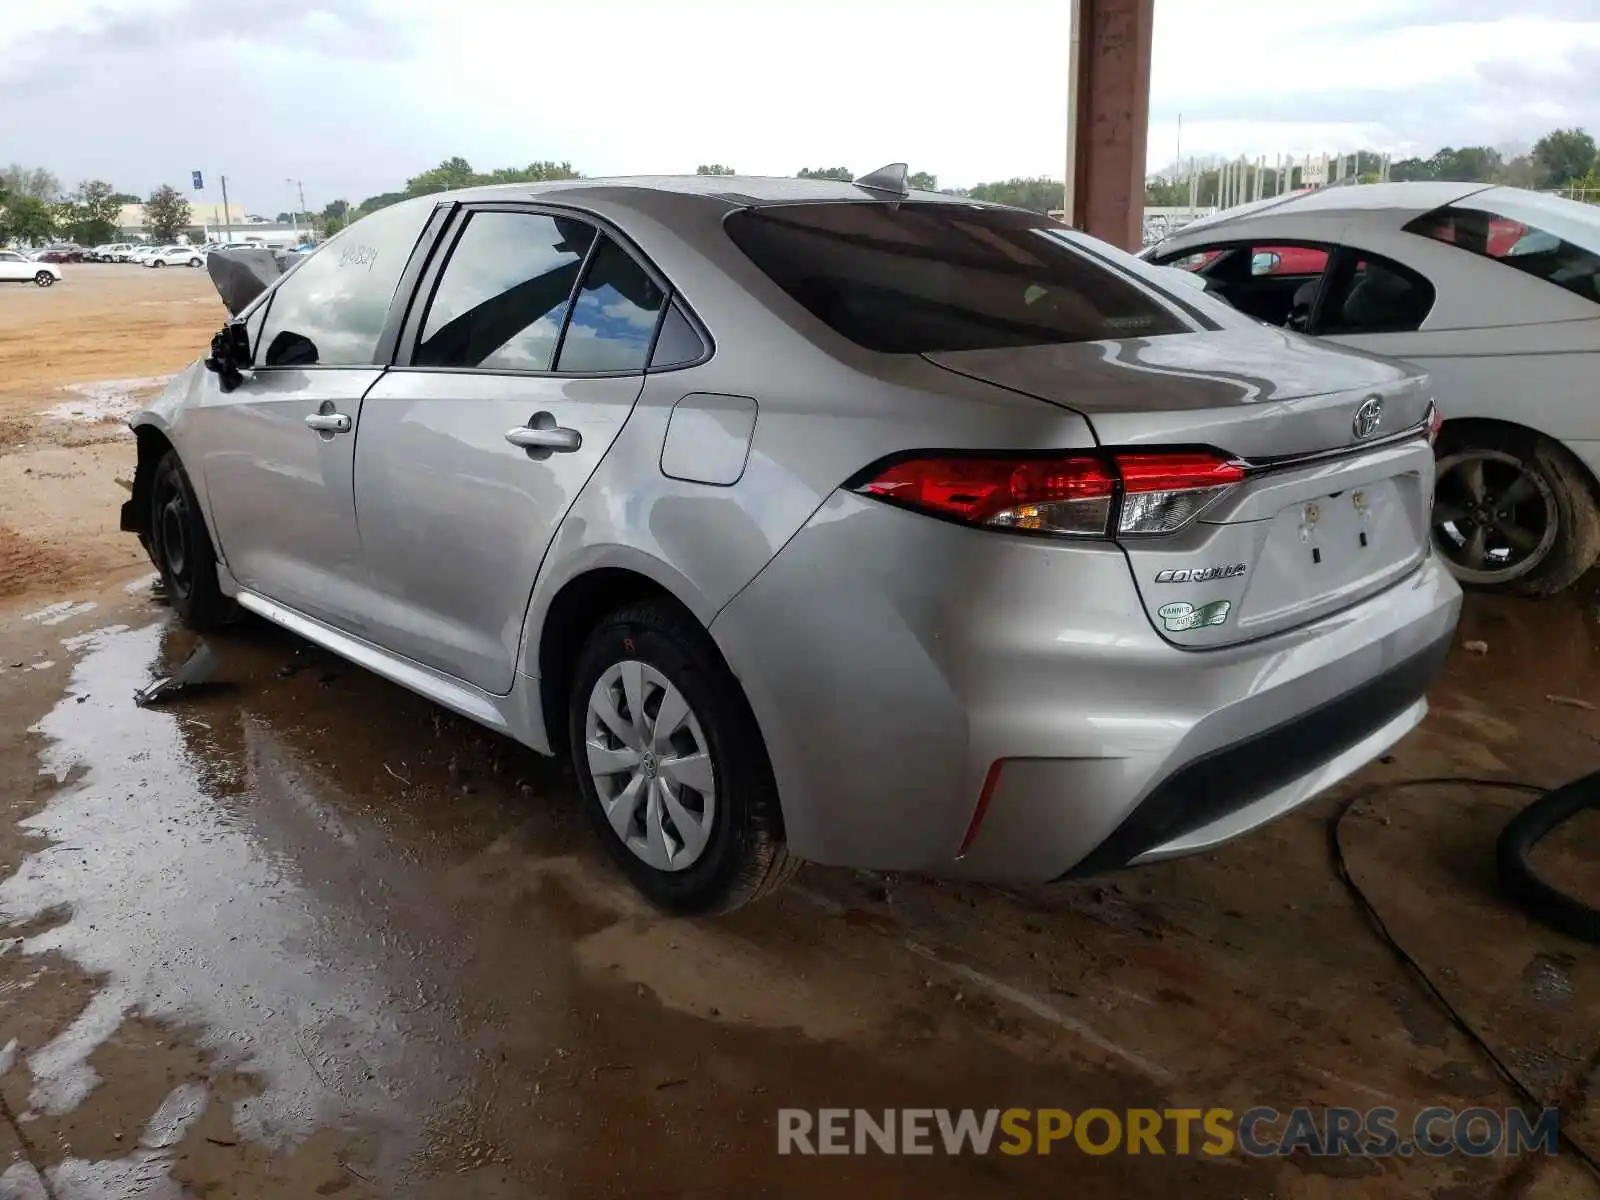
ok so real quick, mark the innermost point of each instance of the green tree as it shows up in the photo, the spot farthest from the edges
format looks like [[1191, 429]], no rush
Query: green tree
[[1160, 193], [1469, 164], [332, 218], [1565, 155], [34, 183], [166, 213], [1040, 194], [922, 181], [1409, 170], [98, 201], [454, 172], [1587, 188], [89, 215], [1521, 171], [382, 200], [538, 172], [125, 198], [714, 169], [843, 174], [27, 219]]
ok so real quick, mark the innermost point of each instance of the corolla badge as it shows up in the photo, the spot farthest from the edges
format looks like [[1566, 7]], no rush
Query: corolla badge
[[1181, 616], [1201, 574], [1368, 417]]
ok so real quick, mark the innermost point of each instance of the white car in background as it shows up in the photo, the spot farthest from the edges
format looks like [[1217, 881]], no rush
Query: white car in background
[[175, 256], [1495, 292], [16, 267]]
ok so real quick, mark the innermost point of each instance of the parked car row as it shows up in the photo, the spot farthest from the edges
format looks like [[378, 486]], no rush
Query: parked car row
[[16, 267]]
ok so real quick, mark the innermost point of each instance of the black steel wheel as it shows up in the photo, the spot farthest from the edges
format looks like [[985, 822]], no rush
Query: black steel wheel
[[1512, 511], [181, 548]]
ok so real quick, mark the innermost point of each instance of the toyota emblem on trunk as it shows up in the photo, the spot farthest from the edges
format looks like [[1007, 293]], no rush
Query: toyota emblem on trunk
[[1368, 417]]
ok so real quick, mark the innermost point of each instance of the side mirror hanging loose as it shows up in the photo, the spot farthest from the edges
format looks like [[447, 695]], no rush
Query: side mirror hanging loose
[[230, 352]]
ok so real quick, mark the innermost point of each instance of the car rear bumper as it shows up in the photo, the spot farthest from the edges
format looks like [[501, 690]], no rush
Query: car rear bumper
[[892, 659]]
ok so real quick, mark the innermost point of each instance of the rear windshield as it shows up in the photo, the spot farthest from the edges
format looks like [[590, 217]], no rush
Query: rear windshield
[[912, 278], [1548, 237]]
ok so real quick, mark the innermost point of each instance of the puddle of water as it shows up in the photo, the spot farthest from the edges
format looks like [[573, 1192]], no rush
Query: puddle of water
[[144, 1173], [104, 400], [212, 884], [141, 585], [61, 611]]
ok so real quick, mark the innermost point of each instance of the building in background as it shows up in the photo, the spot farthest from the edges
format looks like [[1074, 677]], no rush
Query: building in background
[[208, 222]]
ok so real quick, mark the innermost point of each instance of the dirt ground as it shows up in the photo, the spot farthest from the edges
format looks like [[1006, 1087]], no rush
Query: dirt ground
[[74, 359], [305, 934]]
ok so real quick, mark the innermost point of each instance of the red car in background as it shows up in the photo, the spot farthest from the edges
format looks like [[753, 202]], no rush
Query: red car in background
[[60, 254], [1267, 260]]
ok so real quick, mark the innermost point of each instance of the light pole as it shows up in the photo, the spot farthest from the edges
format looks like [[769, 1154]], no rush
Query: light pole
[[300, 186]]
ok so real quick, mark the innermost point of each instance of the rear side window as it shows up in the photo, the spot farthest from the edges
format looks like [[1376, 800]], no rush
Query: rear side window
[[331, 310], [1367, 293], [914, 278], [614, 317], [678, 344], [504, 294], [1516, 241]]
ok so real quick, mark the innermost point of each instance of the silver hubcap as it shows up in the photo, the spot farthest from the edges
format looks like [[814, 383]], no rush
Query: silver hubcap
[[651, 765]]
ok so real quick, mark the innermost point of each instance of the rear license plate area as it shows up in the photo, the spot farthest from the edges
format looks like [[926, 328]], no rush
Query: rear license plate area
[[1330, 548]]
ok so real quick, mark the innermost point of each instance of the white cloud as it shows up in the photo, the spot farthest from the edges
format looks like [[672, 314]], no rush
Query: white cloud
[[353, 96]]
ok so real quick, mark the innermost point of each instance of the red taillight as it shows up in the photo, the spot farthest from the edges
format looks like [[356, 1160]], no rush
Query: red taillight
[[1047, 495], [1435, 423], [1070, 495], [1175, 472]]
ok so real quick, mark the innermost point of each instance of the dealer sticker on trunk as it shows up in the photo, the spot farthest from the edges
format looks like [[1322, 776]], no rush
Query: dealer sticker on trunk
[[1180, 615]]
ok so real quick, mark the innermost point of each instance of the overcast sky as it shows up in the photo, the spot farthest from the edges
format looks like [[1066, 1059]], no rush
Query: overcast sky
[[353, 96]]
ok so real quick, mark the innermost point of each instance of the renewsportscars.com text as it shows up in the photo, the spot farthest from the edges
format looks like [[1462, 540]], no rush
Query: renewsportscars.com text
[[1256, 1132]]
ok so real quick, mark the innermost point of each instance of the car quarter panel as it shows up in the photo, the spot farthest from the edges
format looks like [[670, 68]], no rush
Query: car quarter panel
[[954, 647], [824, 409], [817, 423]]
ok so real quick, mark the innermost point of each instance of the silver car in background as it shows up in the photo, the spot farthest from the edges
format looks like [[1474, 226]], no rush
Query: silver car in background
[[819, 521]]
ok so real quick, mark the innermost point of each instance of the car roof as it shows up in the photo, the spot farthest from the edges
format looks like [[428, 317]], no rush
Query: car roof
[[735, 190], [1401, 201]]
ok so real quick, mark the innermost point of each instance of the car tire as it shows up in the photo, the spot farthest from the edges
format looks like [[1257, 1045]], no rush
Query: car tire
[[195, 262], [730, 849], [1552, 508], [181, 548], [44, 279], [156, 262]]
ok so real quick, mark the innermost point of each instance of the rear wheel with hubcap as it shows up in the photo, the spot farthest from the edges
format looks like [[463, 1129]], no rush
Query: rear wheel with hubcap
[[1513, 511], [44, 279], [671, 764]]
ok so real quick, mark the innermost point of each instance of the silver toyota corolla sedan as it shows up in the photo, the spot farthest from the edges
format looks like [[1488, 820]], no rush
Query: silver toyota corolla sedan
[[819, 521]]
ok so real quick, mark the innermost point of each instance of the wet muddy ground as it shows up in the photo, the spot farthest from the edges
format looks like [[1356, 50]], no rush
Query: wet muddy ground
[[303, 934]]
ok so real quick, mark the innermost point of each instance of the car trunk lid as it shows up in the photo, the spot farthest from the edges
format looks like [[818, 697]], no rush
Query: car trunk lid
[[1333, 508]]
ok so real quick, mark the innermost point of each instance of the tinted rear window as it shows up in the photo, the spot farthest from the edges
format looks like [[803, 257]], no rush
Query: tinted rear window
[[915, 278], [1559, 251]]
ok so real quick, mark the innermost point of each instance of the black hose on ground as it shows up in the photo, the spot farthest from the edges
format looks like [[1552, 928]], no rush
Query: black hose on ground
[[1574, 1090], [1526, 886]]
